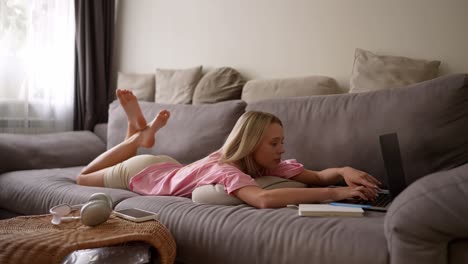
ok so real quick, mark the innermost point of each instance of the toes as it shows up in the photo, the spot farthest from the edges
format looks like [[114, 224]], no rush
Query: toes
[[123, 92], [165, 114], [128, 95], [118, 92]]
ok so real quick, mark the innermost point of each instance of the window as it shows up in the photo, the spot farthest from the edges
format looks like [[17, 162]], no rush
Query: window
[[36, 65]]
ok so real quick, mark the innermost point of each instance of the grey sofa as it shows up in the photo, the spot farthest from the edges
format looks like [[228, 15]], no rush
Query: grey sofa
[[425, 224]]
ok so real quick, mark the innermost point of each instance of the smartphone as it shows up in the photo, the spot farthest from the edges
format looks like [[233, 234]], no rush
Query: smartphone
[[136, 215]]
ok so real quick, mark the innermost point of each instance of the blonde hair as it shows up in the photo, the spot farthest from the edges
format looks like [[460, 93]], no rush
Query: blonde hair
[[244, 139]]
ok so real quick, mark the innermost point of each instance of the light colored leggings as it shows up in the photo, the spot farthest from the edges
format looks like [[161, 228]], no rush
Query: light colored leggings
[[119, 175]]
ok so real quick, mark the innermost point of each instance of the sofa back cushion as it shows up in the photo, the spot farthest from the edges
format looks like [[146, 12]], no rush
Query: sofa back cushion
[[49, 150], [193, 131], [431, 119]]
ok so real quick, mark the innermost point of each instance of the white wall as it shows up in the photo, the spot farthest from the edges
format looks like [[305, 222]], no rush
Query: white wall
[[286, 38]]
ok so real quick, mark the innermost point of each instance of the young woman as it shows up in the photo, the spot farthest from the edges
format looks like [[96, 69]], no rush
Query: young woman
[[253, 148]]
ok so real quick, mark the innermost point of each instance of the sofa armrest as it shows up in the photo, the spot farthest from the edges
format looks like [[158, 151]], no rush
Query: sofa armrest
[[101, 131], [54, 150], [426, 216]]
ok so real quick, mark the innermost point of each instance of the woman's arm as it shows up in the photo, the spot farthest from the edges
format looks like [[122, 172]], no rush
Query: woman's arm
[[324, 178], [332, 176], [275, 198], [352, 177]]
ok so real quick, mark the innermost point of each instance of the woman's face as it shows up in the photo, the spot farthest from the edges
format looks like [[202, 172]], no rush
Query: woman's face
[[268, 153]]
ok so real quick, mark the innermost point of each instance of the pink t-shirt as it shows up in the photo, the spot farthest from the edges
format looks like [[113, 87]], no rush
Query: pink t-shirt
[[169, 179]]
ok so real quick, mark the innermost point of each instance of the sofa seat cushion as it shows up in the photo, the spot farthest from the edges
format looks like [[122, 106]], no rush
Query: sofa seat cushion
[[242, 234], [32, 192], [192, 132]]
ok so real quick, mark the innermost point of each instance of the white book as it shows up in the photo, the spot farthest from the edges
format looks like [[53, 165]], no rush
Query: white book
[[328, 210]]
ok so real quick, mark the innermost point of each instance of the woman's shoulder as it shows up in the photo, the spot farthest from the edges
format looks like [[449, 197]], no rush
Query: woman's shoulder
[[287, 168], [229, 166], [215, 159]]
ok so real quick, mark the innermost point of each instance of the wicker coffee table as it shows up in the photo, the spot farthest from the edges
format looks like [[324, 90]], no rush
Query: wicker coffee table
[[33, 239]]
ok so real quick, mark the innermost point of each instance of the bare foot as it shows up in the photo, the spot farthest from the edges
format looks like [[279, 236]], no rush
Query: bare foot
[[160, 120], [129, 102], [146, 136]]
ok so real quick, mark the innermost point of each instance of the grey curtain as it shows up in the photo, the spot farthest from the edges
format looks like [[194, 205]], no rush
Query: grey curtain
[[93, 64]]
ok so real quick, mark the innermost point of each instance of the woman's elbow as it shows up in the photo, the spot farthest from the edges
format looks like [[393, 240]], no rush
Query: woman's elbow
[[256, 197], [264, 201]]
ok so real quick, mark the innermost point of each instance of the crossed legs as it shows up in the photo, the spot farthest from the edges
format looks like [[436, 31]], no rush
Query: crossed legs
[[139, 134]]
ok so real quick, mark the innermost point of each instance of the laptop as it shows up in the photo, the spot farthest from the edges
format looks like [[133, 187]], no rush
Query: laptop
[[390, 148]]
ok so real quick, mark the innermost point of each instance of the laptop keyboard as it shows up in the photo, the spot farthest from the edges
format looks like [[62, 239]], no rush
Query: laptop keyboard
[[382, 200]]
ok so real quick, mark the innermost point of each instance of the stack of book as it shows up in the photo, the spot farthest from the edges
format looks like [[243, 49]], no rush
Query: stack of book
[[329, 210]]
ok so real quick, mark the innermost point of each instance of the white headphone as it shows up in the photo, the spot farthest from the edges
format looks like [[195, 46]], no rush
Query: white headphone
[[96, 211]]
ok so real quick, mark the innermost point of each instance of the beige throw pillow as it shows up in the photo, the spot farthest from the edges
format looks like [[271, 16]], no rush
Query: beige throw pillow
[[373, 72], [257, 90], [176, 86], [218, 85], [142, 85], [215, 193]]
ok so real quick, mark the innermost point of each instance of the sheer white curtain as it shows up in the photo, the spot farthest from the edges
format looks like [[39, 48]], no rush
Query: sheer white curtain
[[37, 40]]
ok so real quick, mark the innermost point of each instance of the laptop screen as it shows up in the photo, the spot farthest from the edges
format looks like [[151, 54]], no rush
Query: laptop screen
[[391, 155]]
